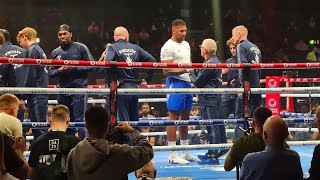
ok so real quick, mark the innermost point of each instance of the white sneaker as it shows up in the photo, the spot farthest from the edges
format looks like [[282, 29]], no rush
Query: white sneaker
[[189, 157], [175, 159]]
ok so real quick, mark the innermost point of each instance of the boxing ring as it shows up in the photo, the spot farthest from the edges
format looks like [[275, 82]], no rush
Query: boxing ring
[[193, 170]]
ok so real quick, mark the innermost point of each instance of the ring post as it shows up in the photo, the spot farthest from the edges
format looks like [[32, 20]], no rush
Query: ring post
[[113, 93], [246, 96]]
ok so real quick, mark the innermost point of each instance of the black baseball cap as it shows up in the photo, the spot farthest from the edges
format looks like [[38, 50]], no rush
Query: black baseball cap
[[64, 27]]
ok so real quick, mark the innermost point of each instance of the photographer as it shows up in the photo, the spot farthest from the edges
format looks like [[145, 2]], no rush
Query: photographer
[[95, 158]]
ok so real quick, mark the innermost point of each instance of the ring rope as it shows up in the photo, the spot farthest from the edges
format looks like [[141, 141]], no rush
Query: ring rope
[[131, 91]]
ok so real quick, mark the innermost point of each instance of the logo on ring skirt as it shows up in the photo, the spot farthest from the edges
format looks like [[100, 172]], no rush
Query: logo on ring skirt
[[272, 83], [272, 103]]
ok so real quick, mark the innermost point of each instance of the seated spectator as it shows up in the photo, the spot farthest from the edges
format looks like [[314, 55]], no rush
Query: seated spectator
[[276, 161], [314, 170], [9, 123], [145, 113], [313, 55], [147, 172], [12, 158], [49, 152], [95, 158], [251, 143]]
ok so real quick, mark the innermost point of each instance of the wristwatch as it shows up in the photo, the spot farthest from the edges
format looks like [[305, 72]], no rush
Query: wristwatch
[[3, 171]]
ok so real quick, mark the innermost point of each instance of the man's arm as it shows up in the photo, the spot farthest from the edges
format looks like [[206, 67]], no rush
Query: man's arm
[[205, 75], [137, 155], [229, 163]]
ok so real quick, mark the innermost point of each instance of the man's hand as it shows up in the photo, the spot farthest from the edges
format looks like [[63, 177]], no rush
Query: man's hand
[[63, 68], [233, 82], [103, 55], [126, 128], [19, 145], [143, 82]]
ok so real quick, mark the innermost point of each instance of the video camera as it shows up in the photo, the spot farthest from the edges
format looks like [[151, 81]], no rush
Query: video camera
[[117, 137]]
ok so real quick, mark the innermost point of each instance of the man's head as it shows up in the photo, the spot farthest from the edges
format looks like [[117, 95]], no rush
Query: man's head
[[9, 104], [145, 109], [6, 34], [179, 30], [60, 117], [26, 37], [64, 34], [232, 47], [260, 115], [239, 33], [97, 121], [120, 33], [318, 118], [208, 48], [275, 131], [147, 172]]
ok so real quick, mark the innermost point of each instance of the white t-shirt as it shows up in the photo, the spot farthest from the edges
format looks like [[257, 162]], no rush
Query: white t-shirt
[[179, 53], [10, 125]]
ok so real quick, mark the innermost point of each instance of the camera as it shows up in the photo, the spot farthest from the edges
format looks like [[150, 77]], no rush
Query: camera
[[117, 137]]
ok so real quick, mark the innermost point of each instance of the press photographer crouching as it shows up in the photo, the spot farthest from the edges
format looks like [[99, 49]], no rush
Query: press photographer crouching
[[95, 158]]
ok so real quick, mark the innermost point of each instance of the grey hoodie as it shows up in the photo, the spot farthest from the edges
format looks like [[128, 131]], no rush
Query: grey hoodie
[[98, 160]]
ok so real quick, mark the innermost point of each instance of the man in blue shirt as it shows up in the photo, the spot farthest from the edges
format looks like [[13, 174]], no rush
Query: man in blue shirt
[[71, 77], [123, 51], [209, 103], [247, 52], [276, 161], [35, 76], [229, 77], [7, 76], [9, 50]]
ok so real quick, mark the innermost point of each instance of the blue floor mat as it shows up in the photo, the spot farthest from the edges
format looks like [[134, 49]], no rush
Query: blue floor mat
[[216, 172]]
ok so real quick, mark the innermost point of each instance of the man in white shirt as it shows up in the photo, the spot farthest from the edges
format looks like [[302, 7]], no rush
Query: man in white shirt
[[177, 50]]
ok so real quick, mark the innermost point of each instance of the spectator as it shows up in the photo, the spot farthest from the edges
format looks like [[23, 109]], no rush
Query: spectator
[[145, 111], [49, 152], [251, 143], [147, 172], [9, 123], [315, 162], [312, 56], [95, 158], [12, 158], [276, 161]]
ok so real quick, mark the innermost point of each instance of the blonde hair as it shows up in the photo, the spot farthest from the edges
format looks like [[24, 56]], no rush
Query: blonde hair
[[60, 113], [8, 101], [2, 39], [29, 32], [210, 45], [242, 29], [230, 41]]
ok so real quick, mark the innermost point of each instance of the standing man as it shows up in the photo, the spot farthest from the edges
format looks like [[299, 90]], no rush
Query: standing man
[[7, 76], [71, 77], [12, 51], [177, 50], [35, 76], [230, 76], [123, 51], [209, 103], [247, 52]]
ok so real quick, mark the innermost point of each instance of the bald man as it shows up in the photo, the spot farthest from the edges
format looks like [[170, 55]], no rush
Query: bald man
[[276, 161], [209, 103], [315, 162], [123, 51], [247, 52]]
